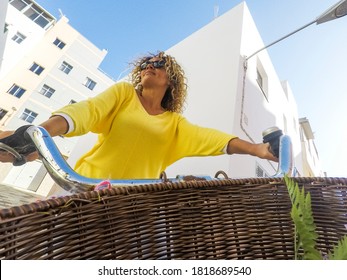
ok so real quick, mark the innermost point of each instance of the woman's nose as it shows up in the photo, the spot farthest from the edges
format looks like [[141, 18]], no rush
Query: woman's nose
[[150, 65]]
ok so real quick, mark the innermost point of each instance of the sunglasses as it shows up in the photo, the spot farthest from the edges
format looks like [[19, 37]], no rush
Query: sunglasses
[[156, 64]]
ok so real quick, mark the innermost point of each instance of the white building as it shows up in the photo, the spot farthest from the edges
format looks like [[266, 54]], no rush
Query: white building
[[54, 66], [25, 25], [227, 91], [225, 95]]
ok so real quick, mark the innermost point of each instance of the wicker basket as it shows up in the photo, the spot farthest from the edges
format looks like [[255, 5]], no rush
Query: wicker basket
[[219, 219]]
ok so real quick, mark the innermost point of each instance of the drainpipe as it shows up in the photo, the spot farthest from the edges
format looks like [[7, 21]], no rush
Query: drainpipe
[[243, 99]]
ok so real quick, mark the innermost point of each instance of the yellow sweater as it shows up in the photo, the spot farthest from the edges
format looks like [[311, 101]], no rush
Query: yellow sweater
[[133, 144]]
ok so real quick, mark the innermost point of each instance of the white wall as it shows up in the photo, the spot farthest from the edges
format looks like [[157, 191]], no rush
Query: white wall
[[15, 52], [214, 58], [211, 59], [255, 112]]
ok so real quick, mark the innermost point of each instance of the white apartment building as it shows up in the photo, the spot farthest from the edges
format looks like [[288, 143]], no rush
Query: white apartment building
[[227, 91], [25, 25], [235, 94], [54, 66]]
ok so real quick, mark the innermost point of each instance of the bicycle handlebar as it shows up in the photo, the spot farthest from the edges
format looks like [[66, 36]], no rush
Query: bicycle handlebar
[[37, 138]]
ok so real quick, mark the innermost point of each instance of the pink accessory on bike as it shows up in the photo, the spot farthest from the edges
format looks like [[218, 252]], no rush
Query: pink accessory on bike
[[103, 185]]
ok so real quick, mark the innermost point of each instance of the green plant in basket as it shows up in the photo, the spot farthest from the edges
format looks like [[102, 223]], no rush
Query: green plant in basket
[[305, 228]]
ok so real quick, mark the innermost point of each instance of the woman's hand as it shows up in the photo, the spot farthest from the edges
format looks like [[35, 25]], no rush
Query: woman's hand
[[9, 141], [261, 150], [56, 125]]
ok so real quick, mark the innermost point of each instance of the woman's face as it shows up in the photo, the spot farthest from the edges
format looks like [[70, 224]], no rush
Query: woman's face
[[153, 73]]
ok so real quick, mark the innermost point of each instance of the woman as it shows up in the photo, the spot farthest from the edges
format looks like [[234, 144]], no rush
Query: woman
[[140, 127]]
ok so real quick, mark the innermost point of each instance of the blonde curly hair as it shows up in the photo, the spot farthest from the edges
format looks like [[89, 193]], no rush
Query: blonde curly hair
[[176, 93]]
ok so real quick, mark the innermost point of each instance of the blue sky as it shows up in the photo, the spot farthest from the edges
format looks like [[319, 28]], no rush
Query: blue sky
[[314, 61]]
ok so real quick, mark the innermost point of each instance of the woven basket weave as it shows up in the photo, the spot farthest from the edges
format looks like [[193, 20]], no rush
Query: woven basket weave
[[219, 219]]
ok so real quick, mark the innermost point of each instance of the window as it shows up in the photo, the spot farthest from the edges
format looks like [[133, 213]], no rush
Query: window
[[18, 38], [5, 27], [259, 79], [47, 91], [3, 113], [260, 172], [65, 67], [18, 4], [37, 69], [60, 44], [32, 11], [16, 91], [36, 16], [262, 79], [28, 116], [90, 83], [285, 124]]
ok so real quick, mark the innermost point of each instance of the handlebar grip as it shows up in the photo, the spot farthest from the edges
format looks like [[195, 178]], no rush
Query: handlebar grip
[[21, 145]]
